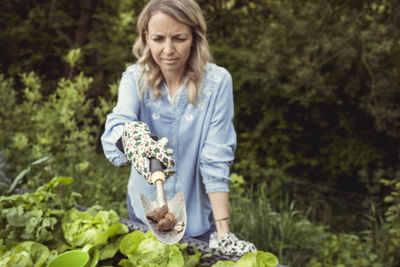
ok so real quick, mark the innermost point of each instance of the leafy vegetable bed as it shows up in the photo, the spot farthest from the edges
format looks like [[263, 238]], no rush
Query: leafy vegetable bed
[[212, 256], [37, 226]]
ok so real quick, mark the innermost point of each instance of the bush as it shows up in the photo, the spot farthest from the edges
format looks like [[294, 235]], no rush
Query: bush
[[65, 126], [276, 224]]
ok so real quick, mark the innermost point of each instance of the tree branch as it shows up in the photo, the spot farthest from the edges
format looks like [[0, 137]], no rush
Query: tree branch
[[84, 23], [53, 21]]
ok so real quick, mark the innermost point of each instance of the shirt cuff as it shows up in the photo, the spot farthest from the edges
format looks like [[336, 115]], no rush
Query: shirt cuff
[[120, 159], [217, 187]]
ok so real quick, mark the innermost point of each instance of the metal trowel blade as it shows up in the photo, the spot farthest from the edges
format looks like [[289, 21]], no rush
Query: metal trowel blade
[[177, 207]]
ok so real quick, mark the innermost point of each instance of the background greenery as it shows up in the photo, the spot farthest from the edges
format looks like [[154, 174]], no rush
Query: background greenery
[[316, 86]]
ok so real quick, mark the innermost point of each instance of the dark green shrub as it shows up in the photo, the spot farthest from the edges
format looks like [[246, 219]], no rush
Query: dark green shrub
[[64, 126]]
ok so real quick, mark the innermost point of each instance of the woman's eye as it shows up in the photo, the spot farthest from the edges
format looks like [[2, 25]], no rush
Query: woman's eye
[[161, 38], [180, 39]]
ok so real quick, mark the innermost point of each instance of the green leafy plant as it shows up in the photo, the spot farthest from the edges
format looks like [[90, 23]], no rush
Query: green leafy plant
[[5, 182], [253, 259], [273, 225], [392, 214], [92, 226], [34, 216], [143, 249], [64, 126], [347, 250], [24, 254], [18, 179]]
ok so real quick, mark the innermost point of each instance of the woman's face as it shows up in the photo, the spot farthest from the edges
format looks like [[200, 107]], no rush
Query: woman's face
[[170, 42]]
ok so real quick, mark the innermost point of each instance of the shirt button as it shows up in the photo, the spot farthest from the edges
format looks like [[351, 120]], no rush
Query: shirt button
[[189, 117], [173, 140]]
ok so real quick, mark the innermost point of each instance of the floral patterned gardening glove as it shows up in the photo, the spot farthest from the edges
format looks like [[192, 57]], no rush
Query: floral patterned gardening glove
[[230, 245], [139, 147]]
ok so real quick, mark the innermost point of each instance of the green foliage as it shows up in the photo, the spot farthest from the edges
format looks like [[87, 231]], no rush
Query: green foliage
[[253, 259], [34, 216], [347, 250], [281, 229], [312, 96], [110, 40], [64, 126], [24, 254], [143, 249], [17, 180], [5, 182], [73, 56], [393, 212], [91, 227], [280, 226]]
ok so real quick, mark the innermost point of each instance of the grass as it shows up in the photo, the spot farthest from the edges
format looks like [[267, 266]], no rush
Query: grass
[[278, 225]]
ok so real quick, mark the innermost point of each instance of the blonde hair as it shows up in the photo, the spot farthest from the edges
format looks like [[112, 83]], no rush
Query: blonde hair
[[187, 12]]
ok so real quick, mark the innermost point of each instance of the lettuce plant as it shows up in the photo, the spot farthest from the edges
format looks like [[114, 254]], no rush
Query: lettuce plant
[[34, 216], [24, 254], [101, 228], [91, 227], [143, 249], [253, 259]]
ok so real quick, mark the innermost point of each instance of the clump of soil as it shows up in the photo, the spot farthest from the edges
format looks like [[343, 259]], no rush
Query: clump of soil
[[165, 220]]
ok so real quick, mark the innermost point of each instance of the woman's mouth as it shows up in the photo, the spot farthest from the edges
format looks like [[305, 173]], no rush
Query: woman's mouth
[[170, 60]]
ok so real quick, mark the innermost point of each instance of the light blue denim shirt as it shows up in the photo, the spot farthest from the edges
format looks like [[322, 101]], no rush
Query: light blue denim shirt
[[202, 137]]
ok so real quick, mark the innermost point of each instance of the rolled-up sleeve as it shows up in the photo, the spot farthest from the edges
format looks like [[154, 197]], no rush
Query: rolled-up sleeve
[[218, 152], [126, 110]]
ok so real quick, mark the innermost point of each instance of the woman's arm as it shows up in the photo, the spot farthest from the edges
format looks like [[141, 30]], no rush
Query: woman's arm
[[218, 153], [220, 207], [126, 110]]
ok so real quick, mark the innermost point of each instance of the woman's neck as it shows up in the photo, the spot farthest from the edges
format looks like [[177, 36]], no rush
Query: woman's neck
[[173, 81]]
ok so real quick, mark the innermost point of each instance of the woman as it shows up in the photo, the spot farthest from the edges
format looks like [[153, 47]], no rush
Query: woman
[[174, 92]]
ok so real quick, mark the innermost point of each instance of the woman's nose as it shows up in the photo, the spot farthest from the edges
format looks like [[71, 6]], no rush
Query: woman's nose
[[168, 47]]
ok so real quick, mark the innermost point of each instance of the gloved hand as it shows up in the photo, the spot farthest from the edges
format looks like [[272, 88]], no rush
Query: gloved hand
[[139, 147], [230, 245]]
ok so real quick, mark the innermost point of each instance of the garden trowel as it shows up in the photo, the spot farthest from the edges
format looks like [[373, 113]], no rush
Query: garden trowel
[[176, 206]]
